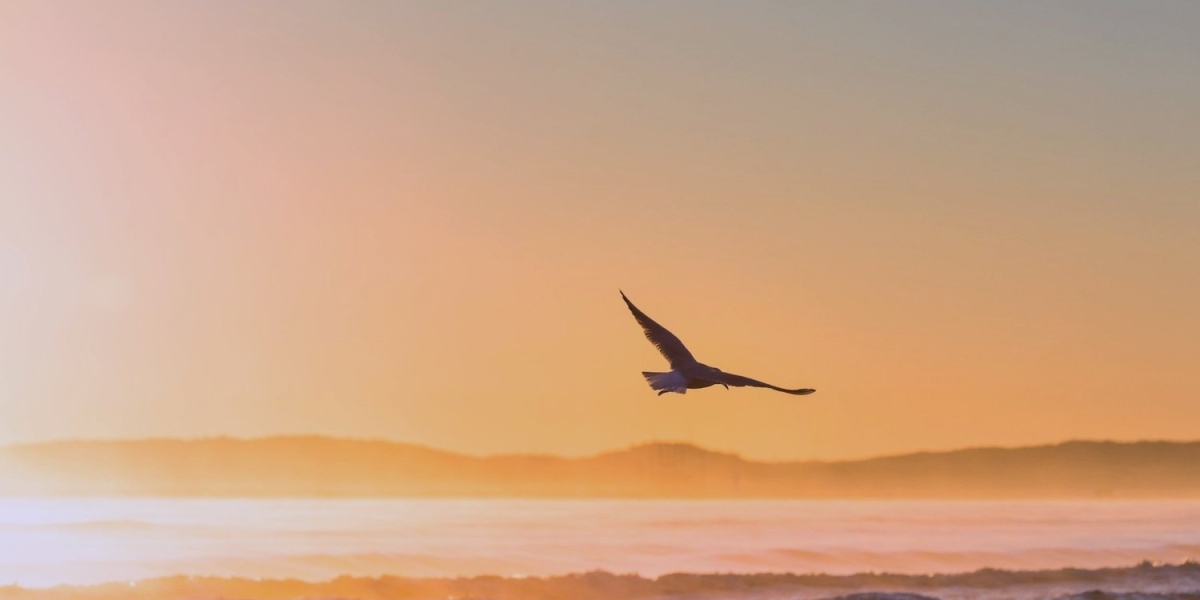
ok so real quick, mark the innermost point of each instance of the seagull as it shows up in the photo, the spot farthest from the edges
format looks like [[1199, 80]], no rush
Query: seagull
[[687, 372]]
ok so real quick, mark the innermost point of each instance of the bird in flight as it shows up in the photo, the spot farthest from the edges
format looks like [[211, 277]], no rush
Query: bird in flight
[[687, 372]]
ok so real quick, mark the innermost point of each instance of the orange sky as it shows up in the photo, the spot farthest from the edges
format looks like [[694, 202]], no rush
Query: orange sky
[[964, 224]]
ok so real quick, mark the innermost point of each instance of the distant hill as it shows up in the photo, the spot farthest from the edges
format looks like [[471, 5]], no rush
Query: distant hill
[[327, 467]]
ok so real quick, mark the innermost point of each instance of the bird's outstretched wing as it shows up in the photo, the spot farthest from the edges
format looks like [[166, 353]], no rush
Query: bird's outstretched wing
[[723, 378], [668, 345]]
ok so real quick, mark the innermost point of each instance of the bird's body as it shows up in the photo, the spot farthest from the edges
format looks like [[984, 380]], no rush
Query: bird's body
[[680, 380], [686, 372]]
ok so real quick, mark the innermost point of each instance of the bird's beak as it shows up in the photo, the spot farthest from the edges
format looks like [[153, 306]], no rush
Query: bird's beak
[[726, 385]]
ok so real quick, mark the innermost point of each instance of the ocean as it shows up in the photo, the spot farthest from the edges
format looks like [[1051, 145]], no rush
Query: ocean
[[50, 542]]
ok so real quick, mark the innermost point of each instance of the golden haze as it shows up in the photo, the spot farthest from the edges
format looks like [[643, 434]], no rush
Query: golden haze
[[410, 221]]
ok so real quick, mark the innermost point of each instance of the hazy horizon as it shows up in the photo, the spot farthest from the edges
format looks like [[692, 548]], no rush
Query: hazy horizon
[[334, 468], [602, 451]]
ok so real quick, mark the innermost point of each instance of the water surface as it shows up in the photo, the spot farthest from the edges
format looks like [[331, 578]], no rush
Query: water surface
[[46, 542]]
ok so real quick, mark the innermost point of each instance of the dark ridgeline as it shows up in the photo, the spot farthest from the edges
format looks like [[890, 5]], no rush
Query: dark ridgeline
[[327, 467]]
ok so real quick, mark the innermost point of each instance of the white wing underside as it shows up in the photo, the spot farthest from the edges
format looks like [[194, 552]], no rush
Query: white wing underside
[[672, 381]]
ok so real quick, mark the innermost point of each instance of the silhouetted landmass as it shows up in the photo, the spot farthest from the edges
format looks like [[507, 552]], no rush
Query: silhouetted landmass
[[1064, 584], [327, 467]]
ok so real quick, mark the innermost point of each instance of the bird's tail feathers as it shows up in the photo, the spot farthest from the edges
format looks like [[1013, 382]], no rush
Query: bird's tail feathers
[[666, 382]]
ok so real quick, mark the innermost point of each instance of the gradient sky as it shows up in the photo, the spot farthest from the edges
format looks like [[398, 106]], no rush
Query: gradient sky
[[964, 223]]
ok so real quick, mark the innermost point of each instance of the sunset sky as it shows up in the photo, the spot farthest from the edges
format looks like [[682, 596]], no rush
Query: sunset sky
[[964, 223]]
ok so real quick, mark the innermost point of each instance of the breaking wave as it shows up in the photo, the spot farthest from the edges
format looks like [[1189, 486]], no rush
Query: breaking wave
[[1145, 581]]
